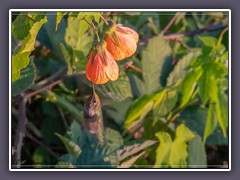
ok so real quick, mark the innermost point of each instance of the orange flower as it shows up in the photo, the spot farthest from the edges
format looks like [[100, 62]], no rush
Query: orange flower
[[121, 41], [101, 66]]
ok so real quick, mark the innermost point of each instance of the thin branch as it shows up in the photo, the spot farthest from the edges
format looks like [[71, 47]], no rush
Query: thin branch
[[104, 19], [170, 23], [93, 27], [63, 117], [177, 37], [20, 132], [184, 45], [130, 65], [28, 135], [50, 86]]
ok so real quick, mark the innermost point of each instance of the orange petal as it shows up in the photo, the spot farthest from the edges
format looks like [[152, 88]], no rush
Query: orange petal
[[95, 70], [112, 70]]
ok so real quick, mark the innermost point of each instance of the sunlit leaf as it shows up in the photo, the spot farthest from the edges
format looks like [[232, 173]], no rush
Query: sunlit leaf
[[25, 81], [188, 85], [163, 150], [21, 59], [59, 18], [179, 71], [153, 57]]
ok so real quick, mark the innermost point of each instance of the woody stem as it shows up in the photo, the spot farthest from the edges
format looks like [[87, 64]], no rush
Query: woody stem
[[94, 28], [104, 19]]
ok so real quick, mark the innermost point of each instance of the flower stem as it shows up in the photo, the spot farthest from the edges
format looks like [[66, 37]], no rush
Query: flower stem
[[104, 19], [94, 28]]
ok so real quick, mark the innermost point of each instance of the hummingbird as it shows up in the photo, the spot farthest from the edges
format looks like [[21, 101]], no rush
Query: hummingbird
[[93, 118]]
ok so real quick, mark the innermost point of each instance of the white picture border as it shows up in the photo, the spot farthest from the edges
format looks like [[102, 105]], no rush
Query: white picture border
[[119, 10]]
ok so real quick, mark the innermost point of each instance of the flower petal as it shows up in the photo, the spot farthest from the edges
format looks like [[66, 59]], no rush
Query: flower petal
[[112, 69], [95, 70]]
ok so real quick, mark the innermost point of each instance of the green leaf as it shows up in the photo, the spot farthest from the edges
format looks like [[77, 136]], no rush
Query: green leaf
[[25, 81], [178, 155], [76, 36], [67, 58], [195, 118], [140, 108], [50, 38], [188, 85], [208, 41], [21, 26], [118, 90], [153, 58], [117, 110], [196, 153], [75, 133], [63, 103], [221, 101], [113, 138], [183, 133], [179, 71], [40, 157], [59, 18], [72, 148], [207, 82], [211, 122], [163, 150], [137, 85], [21, 59]]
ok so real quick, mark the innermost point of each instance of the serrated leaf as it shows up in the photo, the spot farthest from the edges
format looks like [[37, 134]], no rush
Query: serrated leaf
[[196, 153], [76, 36], [211, 122], [118, 90], [153, 58], [75, 133], [59, 18], [179, 71], [113, 138], [72, 148], [21, 59], [188, 85], [163, 150], [25, 81]]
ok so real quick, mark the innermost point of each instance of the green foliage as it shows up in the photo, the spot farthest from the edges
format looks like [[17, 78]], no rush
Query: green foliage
[[21, 59], [162, 111], [59, 18], [25, 81], [153, 58], [173, 153], [197, 153]]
